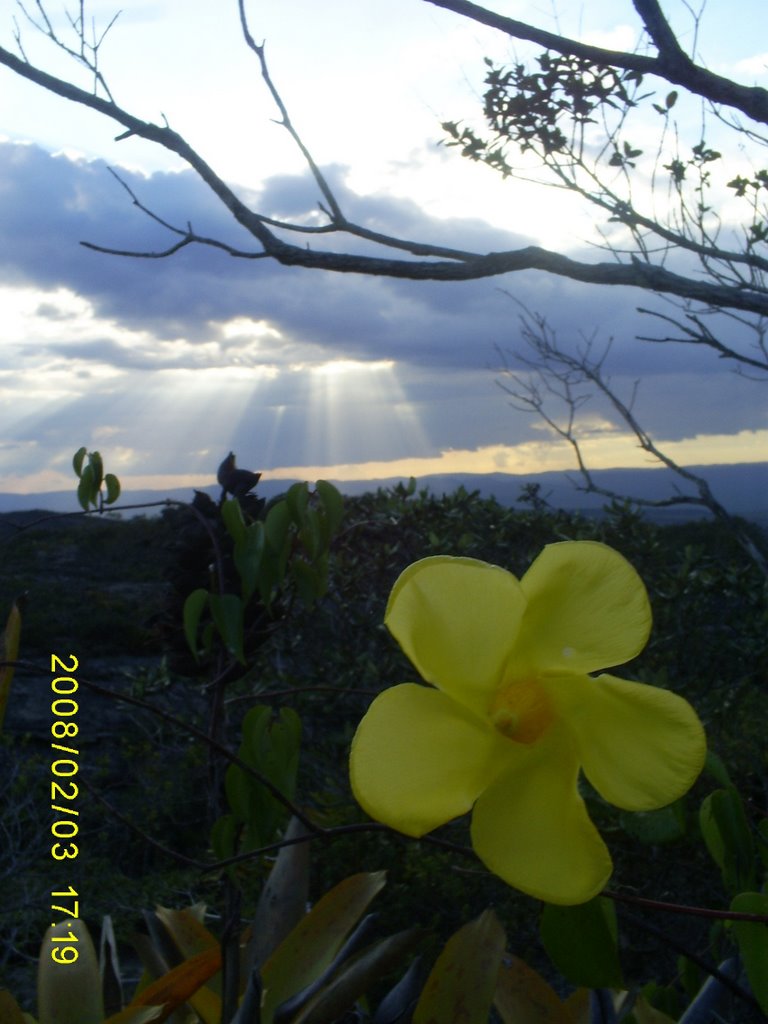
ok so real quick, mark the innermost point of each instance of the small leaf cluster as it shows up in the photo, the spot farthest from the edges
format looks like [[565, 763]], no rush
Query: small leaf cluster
[[527, 108], [284, 552], [92, 480], [540, 110], [270, 745]]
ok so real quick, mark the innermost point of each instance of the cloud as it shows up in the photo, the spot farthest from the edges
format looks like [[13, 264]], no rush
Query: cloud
[[222, 352]]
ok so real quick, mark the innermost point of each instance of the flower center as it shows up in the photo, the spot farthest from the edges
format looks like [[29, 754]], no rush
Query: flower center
[[522, 711]]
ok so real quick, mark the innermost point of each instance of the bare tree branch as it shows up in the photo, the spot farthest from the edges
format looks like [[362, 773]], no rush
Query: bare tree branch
[[553, 373], [671, 63], [442, 264], [701, 334]]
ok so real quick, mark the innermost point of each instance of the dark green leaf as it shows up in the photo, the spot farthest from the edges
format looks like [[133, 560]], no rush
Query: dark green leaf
[[297, 500], [97, 464], [249, 553], [227, 611], [662, 826], [113, 488], [581, 943], [232, 515], [752, 938], [726, 833], [333, 504], [193, 609], [86, 489], [79, 458]]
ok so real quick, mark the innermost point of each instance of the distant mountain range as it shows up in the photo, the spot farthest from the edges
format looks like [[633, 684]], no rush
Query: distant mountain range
[[741, 488]]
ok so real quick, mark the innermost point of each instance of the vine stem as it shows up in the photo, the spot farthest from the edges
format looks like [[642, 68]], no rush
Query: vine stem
[[680, 908]]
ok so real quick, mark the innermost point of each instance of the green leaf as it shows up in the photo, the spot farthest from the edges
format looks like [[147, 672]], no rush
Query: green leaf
[[86, 489], [752, 938], [271, 747], [653, 827], [762, 844], [224, 836], [249, 553], [714, 766], [227, 612], [308, 582], [581, 942], [333, 505], [310, 533], [113, 488], [276, 525], [193, 609], [78, 459], [232, 515], [314, 942], [277, 549], [727, 836], [97, 463], [69, 993], [297, 500], [462, 983]]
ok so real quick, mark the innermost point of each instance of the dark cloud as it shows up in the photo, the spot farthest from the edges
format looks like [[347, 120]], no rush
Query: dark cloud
[[441, 336]]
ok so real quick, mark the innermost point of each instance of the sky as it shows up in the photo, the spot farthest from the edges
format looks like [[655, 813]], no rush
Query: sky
[[166, 365]]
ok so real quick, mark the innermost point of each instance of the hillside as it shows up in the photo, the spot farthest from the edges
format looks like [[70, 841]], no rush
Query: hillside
[[742, 488]]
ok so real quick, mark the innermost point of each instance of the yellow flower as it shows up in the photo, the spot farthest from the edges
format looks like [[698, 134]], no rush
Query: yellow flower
[[512, 714]]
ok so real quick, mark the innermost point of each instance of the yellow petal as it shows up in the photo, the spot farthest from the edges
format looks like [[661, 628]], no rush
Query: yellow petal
[[531, 828], [457, 619], [587, 609], [641, 747], [419, 759]]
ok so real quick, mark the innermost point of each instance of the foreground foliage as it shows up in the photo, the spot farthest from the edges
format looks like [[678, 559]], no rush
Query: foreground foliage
[[320, 655]]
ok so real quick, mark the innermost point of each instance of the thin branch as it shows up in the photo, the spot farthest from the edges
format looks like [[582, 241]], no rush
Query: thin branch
[[688, 911], [702, 335], [166, 850], [343, 830], [337, 216], [460, 267], [211, 743], [709, 968], [561, 374]]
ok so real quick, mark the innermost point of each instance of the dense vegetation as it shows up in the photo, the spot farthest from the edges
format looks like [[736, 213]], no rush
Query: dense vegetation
[[106, 590]]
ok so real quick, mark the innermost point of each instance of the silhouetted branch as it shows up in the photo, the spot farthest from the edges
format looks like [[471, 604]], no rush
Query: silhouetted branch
[[671, 64], [439, 263], [553, 373]]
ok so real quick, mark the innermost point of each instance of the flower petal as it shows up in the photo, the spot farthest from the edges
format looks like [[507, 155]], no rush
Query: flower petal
[[587, 609], [457, 619], [419, 759], [532, 829], [641, 747]]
